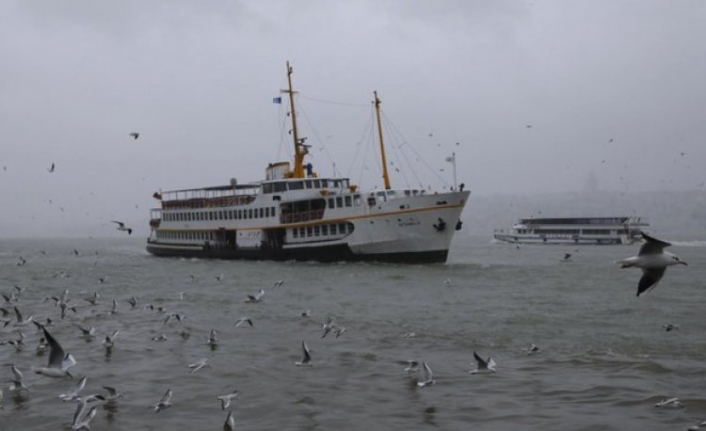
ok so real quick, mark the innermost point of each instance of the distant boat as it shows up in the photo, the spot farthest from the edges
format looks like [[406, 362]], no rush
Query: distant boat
[[574, 230], [295, 214]]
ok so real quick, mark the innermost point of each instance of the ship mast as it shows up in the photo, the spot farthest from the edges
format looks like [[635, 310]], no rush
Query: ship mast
[[300, 150], [385, 177]]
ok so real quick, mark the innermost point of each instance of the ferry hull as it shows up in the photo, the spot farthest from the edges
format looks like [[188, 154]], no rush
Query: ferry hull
[[327, 253]]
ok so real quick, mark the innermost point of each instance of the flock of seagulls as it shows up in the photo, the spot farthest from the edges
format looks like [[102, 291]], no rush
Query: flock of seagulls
[[651, 259]]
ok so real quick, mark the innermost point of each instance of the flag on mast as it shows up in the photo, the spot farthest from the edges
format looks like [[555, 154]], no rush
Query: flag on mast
[[277, 100]]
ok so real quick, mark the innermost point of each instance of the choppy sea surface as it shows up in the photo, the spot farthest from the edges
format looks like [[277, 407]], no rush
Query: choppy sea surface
[[605, 358]]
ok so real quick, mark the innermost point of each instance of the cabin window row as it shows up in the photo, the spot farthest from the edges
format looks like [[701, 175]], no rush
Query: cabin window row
[[242, 214], [187, 235], [283, 186], [322, 230], [344, 201]]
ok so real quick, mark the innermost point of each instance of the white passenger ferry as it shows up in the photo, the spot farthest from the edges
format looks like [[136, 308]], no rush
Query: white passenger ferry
[[574, 230], [296, 215]]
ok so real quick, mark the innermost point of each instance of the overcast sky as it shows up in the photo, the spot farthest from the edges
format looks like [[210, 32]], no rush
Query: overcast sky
[[532, 96]]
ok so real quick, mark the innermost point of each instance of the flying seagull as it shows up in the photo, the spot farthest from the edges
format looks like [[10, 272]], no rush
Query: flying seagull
[[483, 365], [226, 399], [653, 261], [229, 425], [134, 135], [59, 361], [426, 377], [122, 227], [165, 402], [255, 298], [72, 393], [51, 169], [306, 357]]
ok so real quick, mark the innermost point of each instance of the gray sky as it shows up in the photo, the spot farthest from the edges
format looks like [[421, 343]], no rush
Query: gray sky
[[539, 95]]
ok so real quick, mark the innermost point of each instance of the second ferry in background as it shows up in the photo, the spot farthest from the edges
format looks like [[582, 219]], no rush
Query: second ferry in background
[[574, 230], [295, 214]]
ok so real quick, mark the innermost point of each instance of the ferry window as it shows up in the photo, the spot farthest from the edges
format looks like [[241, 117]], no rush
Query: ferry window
[[267, 211], [272, 211], [356, 200], [316, 230], [267, 188], [324, 183], [308, 231], [262, 212], [331, 203], [308, 184], [348, 201], [324, 230], [342, 227], [250, 213], [333, 229], [317, 184], [296, 185], [339, 202], [295, 232], [280, 187], [302, 231]]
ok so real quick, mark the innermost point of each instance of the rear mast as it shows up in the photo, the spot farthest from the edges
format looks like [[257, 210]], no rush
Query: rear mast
[[385, 177]]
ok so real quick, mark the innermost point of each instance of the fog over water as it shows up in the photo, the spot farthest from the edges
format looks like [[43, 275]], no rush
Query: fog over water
[[533, 97]]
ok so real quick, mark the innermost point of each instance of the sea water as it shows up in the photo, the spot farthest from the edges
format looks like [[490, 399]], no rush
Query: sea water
[[605, 358]]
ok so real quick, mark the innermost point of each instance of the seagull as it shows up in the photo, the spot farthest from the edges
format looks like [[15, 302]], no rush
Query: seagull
[[567, 257], [51, 168], [327, 327], [113, 394], [212, 339], [242, 321], [426, 378], [160, 337], [133, 302], [81, 418], [87, 334], [483, 365], [72, 393], [227, 398], [653, 261], [18, 343], [671, 402], [17, 383], [229, 425], [198, 365], [278, 283], [176, 316], [122, 227], [219, 277], [134, 135], [20, 320], [533, 349], [165, 402], [109, 341], [42, 346], [256, 298], [670, 327], [306, 357], [93, 300], [411, 366], [59, 361], [115, 307], [447, 282]]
